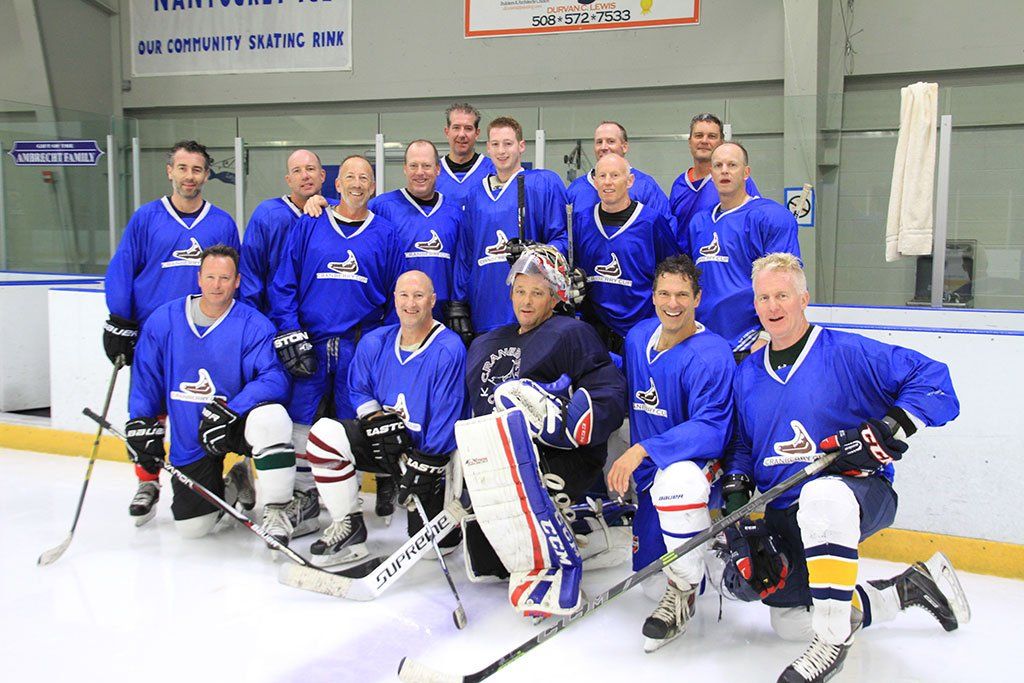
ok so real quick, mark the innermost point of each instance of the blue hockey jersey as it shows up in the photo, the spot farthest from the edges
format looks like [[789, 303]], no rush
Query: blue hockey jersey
[[619, 263], [157, 259], [179, 368], [423, 386], [582, 194], [688, 198], [491, 220], [262, 245], [456, 185], [335, 279], [680, 399], [837, 382], [429, 239], [724, 245]]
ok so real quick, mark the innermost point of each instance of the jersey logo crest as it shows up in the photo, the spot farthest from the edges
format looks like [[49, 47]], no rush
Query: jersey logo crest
[[502, 366], [432, 248], [647, 402], [202, 390], [800, 448], [402, 410], [185, 257], [343, 270], [712, 251], [495, 253], [610, 273]]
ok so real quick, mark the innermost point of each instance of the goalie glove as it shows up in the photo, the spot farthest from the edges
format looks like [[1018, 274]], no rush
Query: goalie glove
[[557, 417], [218, 428], [145, 439], [296, 353]]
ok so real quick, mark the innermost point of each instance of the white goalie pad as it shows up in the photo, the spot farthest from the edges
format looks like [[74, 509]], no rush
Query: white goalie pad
[[516, 514]]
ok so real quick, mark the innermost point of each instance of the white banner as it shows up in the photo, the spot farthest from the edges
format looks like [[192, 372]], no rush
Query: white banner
[[237, 36], [488, 18]]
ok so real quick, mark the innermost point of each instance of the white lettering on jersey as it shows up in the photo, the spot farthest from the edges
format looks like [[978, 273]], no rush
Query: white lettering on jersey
[[343, 270]]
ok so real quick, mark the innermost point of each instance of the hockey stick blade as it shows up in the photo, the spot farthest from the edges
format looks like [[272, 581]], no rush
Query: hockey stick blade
[[383, 576], [411, 671], [51, 555]]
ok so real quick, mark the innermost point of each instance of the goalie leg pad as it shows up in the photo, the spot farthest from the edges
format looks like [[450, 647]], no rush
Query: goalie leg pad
[[516, 514], [268, 430], [329, 450], [680, 496]]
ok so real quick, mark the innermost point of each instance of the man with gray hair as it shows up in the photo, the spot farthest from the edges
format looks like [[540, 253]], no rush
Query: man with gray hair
[[463, 167]]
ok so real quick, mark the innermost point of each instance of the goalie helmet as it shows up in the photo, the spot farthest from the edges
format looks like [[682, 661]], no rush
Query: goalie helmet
[[546, 261]]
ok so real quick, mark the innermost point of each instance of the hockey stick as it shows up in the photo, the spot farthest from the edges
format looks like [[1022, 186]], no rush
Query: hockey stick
[[521, 198], [459, 615], [382, 576], [51, 555], [412, 671]]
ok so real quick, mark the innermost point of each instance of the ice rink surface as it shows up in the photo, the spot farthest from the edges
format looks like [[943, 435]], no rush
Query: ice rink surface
[[143, 605]]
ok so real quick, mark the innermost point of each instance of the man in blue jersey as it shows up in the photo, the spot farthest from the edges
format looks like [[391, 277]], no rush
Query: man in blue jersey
[[726, 240], [610, 137], [617, 243], [463, 167], [269, 225], [334, 282], [680, 381], [405, 382], [812, 383], [208, 363], [157, 261], [693, 191], [504, 211], [429, 224]]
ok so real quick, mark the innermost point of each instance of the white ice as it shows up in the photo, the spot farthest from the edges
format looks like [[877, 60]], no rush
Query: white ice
[[143, 605]]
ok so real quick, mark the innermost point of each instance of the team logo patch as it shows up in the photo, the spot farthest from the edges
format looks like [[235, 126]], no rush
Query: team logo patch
[[202, 390], [495, 253], [800, 448], [185, 257], [712, 251], [502, 366], [402, 410], [343, 270], [432, 248], [647, 402], [610, 273]]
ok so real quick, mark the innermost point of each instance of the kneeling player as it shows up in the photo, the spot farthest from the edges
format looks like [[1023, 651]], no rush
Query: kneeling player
[[406, 385], [810, 384], [208, 363], [680, 377], [557, 397]]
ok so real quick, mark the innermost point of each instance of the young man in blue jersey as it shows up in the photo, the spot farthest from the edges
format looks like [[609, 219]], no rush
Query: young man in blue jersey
[[334, 284], [618, 242], [156, 262], [724, 241], [270, 223], [802, 559], [546, 397], [463, 167], [208, 363], [405, 382], [610, 137], [504, 211], [429, 224], [680, 383]]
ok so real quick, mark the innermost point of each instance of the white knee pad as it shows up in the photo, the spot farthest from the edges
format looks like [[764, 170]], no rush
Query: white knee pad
[[330, 457], [680, 496], [197, 527], [828, 513], [268, 425], [792, 623]]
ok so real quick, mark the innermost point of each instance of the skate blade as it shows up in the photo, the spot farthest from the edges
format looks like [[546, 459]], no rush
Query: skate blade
[[142, 519], [306, 527], [944, 575], [349, 556], [653, 644]]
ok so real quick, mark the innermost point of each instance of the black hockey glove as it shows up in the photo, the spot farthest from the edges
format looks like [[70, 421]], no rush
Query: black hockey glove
[[145, 437], [736, 490], [514, 249], [867, 449], [421, 478], [388, 438], [119, 337], [219, 428], [754, 554], [296, 353], [457, 320]]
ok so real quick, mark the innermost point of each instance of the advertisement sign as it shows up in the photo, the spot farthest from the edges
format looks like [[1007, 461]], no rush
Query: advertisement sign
[[56, 153], [489, 18]]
